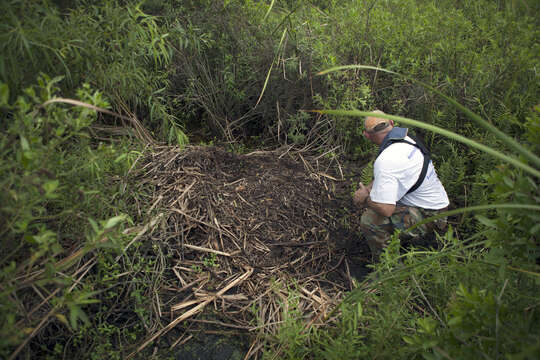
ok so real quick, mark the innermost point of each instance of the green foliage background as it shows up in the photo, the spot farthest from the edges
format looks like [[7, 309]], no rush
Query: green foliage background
[[242, 71]]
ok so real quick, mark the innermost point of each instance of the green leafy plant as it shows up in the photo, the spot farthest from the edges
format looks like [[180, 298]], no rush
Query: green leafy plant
[[39, 148], [119, 50], [473, 323], [211, 261]]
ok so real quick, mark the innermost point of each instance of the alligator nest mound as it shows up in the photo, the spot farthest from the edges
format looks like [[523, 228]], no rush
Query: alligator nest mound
[[249, 235]]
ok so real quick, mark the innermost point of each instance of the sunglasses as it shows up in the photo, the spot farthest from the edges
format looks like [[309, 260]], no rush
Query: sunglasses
[[378, 128]]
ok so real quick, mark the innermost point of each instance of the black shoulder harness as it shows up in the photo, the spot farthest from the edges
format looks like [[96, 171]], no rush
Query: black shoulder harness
[[424, 151]]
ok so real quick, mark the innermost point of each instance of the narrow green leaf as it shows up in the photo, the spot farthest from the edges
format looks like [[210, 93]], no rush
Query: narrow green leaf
[[4, 94], [62, 319], [509, 182], [181, 138], [509, 141], [409, 340], [271, 66], [94, 225], [511, 160], [88, 301], [265, 84], [535, 229], [359, 309], [112, 222], [50, 186], [83, 317], [269, 10], [120, 158], [476, 208], [487, 222], [24, 144], [73, 316]]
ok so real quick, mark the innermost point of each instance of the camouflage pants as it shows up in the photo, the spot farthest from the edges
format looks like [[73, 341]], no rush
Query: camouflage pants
[[378, 229]]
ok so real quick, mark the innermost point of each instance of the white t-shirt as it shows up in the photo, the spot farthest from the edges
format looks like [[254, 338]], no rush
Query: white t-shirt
[[397, 169]]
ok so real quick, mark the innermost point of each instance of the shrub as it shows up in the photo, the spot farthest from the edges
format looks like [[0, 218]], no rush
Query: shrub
[[56, 181], [115, 48]]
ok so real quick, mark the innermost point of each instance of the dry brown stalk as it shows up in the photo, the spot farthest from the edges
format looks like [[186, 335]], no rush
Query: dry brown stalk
[[220, 323], [198, 248], [193, 311], [184, 305], [181, 341], [145, 228], [264, 211], [140, 131], [56, 308]]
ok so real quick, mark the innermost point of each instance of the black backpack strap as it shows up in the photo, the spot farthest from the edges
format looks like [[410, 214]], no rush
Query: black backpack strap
[[423, 173], [427, 159]]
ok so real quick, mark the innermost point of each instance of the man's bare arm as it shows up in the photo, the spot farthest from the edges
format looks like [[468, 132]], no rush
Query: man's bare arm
[[385, 210], [361, 199]]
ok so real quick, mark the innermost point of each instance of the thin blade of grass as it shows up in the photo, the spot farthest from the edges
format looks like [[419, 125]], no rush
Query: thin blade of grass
[[475, 208], [271, 66], [509, 159], [509, 141], [269, 10]]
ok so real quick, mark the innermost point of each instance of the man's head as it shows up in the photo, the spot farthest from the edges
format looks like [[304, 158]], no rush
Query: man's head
[[375, 128]]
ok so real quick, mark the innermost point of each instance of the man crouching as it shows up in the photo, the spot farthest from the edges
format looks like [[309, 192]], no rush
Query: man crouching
[[405, 187]]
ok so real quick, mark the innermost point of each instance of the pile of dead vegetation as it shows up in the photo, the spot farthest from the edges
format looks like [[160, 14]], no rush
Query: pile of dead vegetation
[[246, 233]]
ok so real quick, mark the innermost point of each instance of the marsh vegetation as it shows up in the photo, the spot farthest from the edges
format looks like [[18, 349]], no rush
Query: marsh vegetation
[[172, 168]]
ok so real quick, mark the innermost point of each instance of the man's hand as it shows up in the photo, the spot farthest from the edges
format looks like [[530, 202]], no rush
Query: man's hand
[[361, 195]]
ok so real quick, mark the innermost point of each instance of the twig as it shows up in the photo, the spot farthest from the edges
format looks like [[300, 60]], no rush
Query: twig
[[184, 304], [182, 341], [348, 274], [198, 248], [220, 324], [427, 302], [141, 233], [53, 311], [191, 312], [254, 348]]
